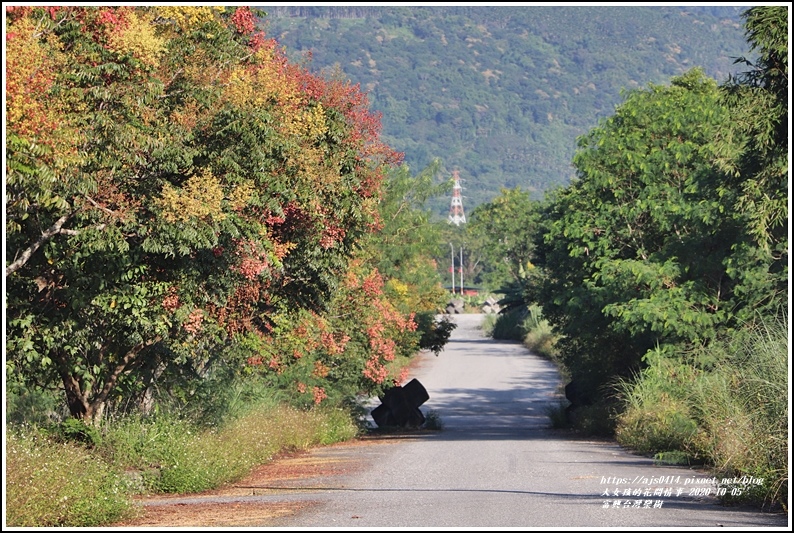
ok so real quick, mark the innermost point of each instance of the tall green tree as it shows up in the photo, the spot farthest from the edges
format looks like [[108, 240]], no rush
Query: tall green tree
[[407, 229], [675, 231], [504, 229], [404, 249], [634, 251], [753, 151]]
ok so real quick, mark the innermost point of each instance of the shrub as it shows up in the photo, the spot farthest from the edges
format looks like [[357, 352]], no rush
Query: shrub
[[725, 404], [509, 325], [657, 416], [76, 430], [539, 336], [742, 404], [433, 420]]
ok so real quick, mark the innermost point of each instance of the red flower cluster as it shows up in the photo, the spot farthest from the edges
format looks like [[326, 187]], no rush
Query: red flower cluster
[[253, 261], [373, 284], [374, 370], [401, 378], [319, 394], [332, 235], [243, 20], [171, 302], [334, 344], [193, 322], [258, 41]]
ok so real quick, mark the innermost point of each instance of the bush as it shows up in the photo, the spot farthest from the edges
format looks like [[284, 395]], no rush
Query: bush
[[55, 483], [76, 430], [657, 415], [508, 325], [660, 428], [539, 336], [596, 420], [725, 404], [558, 415], [33, 407], [433, 421], [742, 404]]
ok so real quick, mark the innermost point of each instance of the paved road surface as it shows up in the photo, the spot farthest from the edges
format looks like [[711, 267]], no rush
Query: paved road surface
[[497, 463]]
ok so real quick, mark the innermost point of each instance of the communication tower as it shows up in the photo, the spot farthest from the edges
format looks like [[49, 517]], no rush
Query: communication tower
[[456, 215]]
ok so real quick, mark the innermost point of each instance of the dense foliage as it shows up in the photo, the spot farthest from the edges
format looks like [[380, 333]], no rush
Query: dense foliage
[[668, 253], [184, 207], [675, 231], [501, 92], [663, 267], [634, 251], [502, 231]]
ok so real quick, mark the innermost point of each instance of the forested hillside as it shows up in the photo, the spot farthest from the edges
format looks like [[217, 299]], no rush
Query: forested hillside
[[501, 93]]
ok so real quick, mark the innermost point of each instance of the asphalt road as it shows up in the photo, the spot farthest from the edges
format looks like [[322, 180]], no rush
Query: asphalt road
[[496, 463]]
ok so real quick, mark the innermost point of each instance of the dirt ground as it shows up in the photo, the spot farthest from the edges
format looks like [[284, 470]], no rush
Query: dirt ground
[[287, 474]]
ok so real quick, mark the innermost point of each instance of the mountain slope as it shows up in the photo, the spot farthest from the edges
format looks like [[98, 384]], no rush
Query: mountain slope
[[501, 93]]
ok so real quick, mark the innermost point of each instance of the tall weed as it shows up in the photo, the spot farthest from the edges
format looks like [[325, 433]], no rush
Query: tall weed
[[539, 336], [725, 404], [657, 418], [51, 483], [174, 455], [509, 325], [743, 405]]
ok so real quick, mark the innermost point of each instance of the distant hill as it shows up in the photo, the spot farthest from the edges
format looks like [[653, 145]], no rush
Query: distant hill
[[502, 93]]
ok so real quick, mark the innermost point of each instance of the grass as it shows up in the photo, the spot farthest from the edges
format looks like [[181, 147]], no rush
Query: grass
[[525, 325], [56, 484], [725, 405], [51, 483], [433, 421], [557, 414]]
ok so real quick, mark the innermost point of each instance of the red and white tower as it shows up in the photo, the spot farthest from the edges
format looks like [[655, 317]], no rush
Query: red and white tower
[[456, 215]]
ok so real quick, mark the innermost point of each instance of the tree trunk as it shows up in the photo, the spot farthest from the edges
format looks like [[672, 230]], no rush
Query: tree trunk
[[90, 406], [75, 399]]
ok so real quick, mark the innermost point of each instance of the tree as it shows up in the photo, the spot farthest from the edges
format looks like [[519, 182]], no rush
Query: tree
[[634, 252], [504, 229], [188, 184], [403, 251], [404, 247], [753, 151]]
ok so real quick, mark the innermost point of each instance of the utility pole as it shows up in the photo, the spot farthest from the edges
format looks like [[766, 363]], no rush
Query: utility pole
[[461, 270], [452, 268]]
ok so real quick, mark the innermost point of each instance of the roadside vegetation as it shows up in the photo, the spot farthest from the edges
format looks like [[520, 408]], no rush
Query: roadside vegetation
[[659, 277], [90, 481], [724, 405]]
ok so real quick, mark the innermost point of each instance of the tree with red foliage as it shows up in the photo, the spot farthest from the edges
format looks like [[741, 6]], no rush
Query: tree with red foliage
[[174, 185]]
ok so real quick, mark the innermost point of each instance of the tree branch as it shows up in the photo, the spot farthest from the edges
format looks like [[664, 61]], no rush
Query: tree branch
[[128, 359], [54, 230]]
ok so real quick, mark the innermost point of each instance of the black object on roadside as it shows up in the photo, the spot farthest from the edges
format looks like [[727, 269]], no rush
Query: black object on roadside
[[400, 406]]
